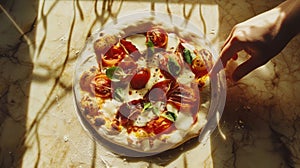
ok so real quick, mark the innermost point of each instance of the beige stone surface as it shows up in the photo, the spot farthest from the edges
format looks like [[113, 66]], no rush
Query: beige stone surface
[[39, 44]]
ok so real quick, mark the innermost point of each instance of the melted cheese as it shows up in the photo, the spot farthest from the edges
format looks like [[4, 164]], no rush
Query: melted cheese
[[171, 108], [174, 138], [173, 41], [186, 77], [144, 118], [109, 107], [138, 40], [184, 121]]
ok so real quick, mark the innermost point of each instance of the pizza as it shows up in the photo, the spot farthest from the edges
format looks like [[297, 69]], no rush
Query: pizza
[[146, 91]]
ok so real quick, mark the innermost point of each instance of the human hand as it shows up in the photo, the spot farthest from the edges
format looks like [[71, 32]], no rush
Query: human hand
[[262, 37]]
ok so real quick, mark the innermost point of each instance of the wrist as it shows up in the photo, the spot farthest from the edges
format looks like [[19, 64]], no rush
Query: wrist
[[290, 11]]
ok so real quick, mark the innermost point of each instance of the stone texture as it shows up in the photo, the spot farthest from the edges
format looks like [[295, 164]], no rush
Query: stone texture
[[38, 123]]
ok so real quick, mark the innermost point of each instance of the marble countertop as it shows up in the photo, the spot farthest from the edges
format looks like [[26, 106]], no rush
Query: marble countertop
[[39, 44]]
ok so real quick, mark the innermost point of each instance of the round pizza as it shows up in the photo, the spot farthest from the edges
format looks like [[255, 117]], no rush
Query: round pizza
[[144, 87]]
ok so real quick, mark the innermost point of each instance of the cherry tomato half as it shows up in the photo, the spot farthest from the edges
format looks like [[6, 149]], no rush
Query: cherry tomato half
[[199, 67], [202, 64], [140, 79], [158, 37]]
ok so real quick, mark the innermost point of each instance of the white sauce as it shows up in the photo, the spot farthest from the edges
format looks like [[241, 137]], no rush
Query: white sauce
[[184, 121]]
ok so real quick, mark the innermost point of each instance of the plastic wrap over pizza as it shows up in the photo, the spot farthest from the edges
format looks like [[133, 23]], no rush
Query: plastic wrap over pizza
[[143, 85]]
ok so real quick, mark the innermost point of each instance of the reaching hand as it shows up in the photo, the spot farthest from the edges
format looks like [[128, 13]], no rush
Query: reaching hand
[[262, 37]]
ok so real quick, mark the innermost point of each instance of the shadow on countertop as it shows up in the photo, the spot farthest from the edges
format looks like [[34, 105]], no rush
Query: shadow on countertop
[[16, 76], [17, 24]]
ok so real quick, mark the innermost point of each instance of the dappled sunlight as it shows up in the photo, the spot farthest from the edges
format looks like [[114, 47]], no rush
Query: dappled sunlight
[[38, 115]]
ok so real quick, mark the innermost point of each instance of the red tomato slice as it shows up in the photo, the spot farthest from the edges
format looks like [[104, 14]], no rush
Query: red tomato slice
[[158, 37], [198, 67], [101, 86], [235, 57], [113, 56]]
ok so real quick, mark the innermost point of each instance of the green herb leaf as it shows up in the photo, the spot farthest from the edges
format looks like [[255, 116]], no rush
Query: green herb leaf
[[119, 94], [115, 73], [170, 116], [155, 110], [150, 45], [110, 72], [173, 66], [187, 56], [147, 105]]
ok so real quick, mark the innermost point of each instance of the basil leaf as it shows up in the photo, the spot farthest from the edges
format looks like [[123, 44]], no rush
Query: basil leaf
[[155, 110], [119, 94], [173, 66], [150, 45], [110, 72], [187, 56], [150, 48], [170, 116], [147, 106], [115, 73]]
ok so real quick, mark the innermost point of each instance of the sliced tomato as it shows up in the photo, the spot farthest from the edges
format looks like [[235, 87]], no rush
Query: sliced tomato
[[158, 37], [235, 57], [101, 86], [140, 79], [113, 56]]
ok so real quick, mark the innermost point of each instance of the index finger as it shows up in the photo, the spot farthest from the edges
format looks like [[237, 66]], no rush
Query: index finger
[[230, 49]]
